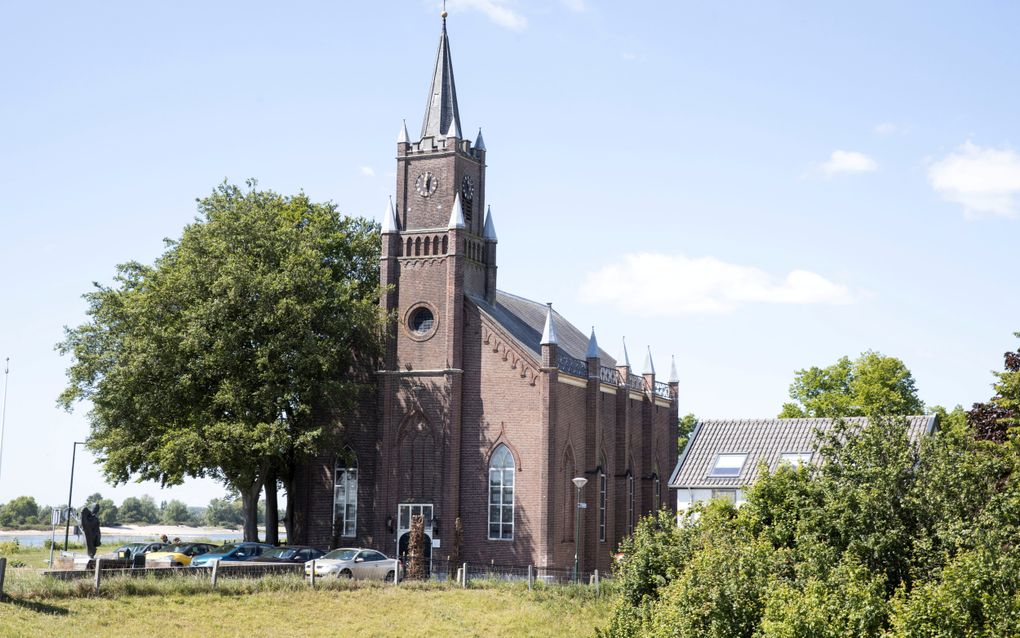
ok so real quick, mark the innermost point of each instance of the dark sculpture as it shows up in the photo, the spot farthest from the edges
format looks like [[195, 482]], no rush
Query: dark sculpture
[[90, 528]]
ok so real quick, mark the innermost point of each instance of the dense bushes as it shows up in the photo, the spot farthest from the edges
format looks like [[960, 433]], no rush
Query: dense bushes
[[881, 539]]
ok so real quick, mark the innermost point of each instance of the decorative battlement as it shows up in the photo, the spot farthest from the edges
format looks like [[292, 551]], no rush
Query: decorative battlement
[[611, 376], [441, 145]]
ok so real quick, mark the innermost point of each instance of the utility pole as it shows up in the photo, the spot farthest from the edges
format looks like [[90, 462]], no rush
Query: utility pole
[[70, 490], [3, 414]]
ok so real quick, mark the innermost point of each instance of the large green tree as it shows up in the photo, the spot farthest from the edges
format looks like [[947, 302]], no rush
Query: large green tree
[[229, 356], [871, 384]]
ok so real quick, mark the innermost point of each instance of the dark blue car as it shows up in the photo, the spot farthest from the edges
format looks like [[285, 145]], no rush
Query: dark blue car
[[230, 552]]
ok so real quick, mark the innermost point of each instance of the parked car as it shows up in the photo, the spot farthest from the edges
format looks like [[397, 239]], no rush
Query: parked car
[[130, 551], [230, 552], [355, 562], [179, 555], [295, 554]]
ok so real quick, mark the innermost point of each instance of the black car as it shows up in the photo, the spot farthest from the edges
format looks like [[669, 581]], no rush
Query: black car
[[287, 554]]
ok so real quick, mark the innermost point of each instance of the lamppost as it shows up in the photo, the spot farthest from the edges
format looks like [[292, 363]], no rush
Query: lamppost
[[579, 483], [70, 490]]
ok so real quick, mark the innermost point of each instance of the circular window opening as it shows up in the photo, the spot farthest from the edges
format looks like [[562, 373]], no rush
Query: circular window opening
[[421, 321]]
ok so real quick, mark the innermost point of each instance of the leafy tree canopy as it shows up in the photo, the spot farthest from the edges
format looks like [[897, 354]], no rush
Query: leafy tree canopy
[[871, 384], [222, 357]]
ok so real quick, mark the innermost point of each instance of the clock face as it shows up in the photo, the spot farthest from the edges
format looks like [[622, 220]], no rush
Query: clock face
[[426, 184], [467, 188]]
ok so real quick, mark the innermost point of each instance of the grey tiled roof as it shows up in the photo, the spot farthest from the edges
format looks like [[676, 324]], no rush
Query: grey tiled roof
[[524, 320], [760, 439]]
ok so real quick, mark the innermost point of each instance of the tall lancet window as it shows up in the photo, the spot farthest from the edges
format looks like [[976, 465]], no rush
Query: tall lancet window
[[501, 494], [630, 502], [345, 494]]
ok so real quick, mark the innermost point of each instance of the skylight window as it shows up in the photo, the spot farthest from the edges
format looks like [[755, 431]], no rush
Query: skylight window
[[796, 459], [728, 465]]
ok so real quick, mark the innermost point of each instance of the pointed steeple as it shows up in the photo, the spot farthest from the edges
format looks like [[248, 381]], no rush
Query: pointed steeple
[[624, 359], [479, 142], [649, 367], [457, 214], [489, 232], [549, 332], [593, 346], [442, 118], [673, 377], [403, 138], [389, 221]]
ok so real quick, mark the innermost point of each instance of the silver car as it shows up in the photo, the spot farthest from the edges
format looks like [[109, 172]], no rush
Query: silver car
[[355, 562]]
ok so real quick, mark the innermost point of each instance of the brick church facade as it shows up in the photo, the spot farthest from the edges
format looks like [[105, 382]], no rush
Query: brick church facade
[[486, 404]]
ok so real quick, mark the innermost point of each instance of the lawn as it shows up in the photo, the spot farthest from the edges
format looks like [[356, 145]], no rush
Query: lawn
[[378, 610]]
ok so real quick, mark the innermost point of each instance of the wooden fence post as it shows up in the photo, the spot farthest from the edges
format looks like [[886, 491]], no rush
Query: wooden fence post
[[3, 571], [396, 571], [311, 580], [464, 576], [215, 572], [531, 576], [96, 583]]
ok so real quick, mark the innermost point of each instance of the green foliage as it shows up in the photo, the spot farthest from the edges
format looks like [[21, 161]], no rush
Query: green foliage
[[993, 419], [882, 538], [685, 425], [176, 513], [871, 384], [107, 510], [223, 512], [138, 510], [222, 357], [19, 511]]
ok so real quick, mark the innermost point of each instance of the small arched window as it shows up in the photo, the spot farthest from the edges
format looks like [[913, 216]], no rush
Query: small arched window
[[345, 494], [501, 494]]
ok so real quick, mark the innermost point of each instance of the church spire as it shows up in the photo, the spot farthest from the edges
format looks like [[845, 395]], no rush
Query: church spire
[[442, 119]]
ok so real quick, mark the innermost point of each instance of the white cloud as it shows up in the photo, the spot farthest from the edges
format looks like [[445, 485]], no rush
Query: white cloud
[[653, 284], [498, 11], [985, 181], [575, 5], [847, 162], [366, 171]]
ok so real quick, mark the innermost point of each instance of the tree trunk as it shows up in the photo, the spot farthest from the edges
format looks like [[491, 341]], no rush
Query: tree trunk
[[250, 504], [272, 510], [288, 515]]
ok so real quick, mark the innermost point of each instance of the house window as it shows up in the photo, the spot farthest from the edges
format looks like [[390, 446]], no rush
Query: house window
[[501, 494], [602, 506], [796, 459], [630, 503], [729, 496], [728, 465], [345, 495]]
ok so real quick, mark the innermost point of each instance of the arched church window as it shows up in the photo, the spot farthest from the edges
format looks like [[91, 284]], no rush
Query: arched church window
[[630, 502], [428, 245], [408, 251], [417, 246], [602, 505], [345, 494], [446, 244], [501, 494]]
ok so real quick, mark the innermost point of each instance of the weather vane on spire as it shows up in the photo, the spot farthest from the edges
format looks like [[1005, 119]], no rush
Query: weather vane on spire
[[443, 14]]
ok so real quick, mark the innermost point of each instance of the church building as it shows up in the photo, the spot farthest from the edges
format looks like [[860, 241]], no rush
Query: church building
[[487, 405]]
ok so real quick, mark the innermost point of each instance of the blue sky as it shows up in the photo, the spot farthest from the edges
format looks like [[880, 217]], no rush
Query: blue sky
[[753, 187]]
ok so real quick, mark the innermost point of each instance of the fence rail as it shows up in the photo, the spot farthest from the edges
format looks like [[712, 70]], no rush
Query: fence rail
[[572, 366]]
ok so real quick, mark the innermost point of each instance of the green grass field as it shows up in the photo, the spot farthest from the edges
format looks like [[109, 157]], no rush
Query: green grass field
[[186, 605]]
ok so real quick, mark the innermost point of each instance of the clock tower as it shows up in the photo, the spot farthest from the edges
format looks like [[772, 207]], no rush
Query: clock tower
[[438, 250]]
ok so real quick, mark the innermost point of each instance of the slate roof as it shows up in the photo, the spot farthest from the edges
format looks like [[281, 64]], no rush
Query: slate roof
[[442, 117], [760, 439], [524, 319]]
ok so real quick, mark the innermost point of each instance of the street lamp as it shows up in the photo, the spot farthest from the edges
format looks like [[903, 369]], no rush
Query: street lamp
[[70, 490], [579, 483]]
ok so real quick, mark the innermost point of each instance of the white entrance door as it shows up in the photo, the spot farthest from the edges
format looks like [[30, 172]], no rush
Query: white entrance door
[[406, 511]]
